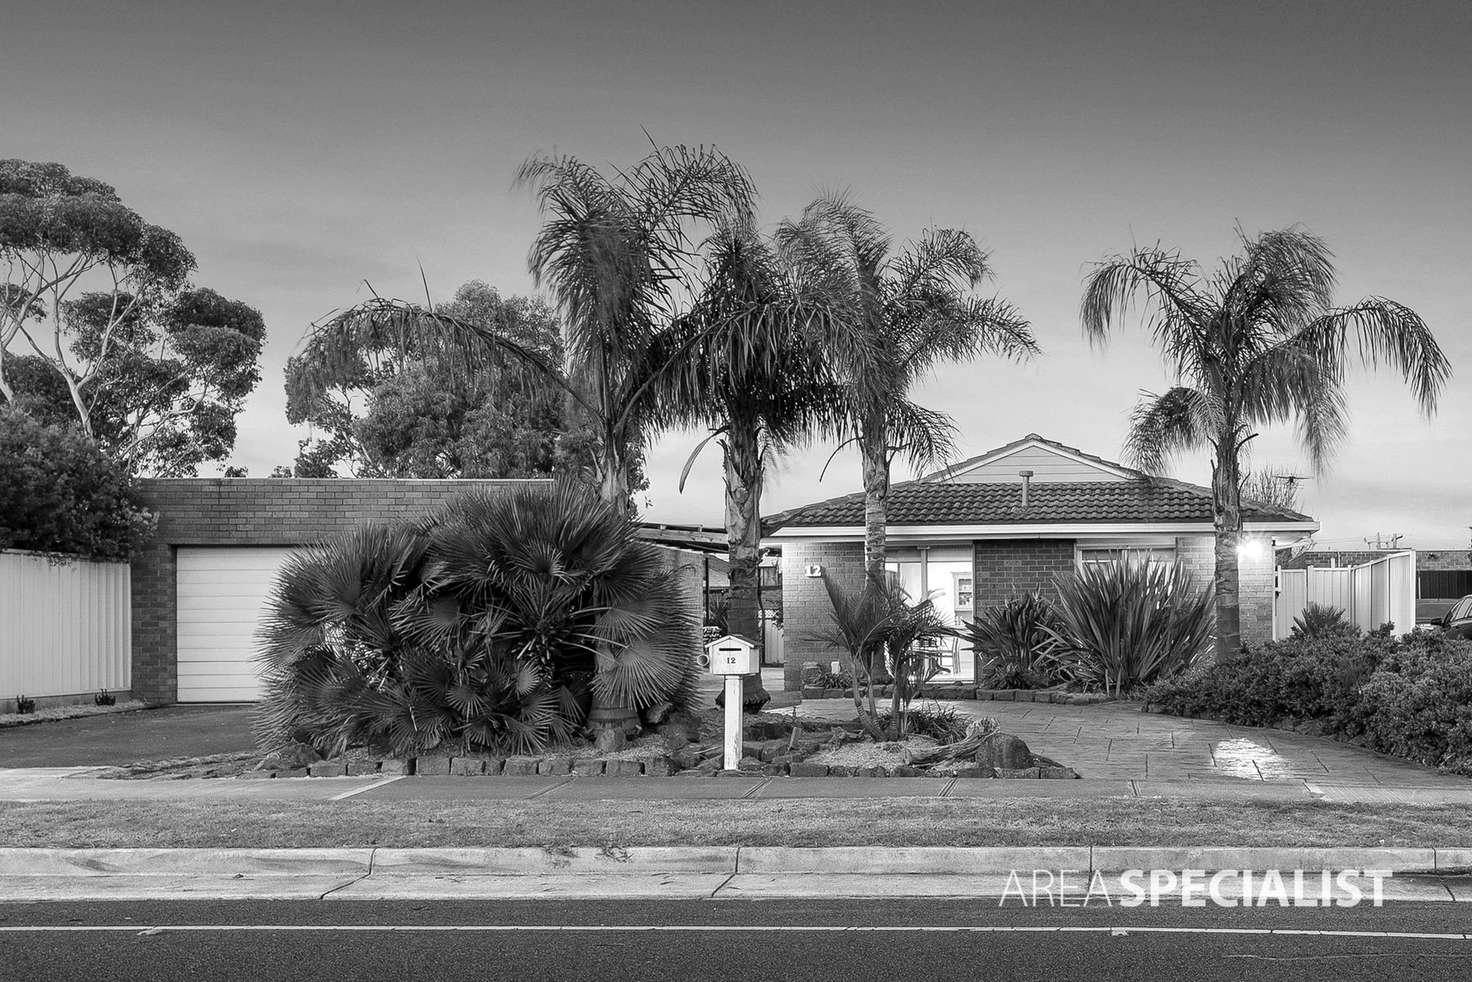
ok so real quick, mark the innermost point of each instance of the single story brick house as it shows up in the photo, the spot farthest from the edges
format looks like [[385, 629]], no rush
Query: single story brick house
[[1005, 523], [199, 588]]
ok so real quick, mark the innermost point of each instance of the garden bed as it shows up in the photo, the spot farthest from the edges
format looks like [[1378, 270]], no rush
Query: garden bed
[[950, 693]]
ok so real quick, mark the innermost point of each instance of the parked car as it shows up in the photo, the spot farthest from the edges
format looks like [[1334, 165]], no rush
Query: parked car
[[1458, 620]]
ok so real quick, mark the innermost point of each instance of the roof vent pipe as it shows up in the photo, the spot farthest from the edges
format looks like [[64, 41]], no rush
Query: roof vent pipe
[[1026, 485]]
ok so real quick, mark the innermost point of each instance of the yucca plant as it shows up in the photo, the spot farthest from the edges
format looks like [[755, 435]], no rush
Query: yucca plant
[[1320, 621], [1131, 622], [492, 626], [1013, 646]]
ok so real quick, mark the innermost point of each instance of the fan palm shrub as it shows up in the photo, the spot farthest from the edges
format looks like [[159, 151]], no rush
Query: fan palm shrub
[[1321, 621], [1130, 622], [1015, 648], [491, 627], [1255, 343]]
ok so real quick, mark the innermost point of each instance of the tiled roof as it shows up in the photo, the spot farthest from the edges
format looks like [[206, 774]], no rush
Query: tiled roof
[[1148, 500]]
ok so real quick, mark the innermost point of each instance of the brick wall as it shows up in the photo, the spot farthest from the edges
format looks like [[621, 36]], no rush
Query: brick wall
[[1255, 580], [806, 608], [1346, 557], [253, 512], [1008, 568]]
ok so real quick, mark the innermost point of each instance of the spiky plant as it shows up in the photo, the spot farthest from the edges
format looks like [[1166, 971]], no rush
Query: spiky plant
[[1013, 646], [1321, 621], [1131, 622]]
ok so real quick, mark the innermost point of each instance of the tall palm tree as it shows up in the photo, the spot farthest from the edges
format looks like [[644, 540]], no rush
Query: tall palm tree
[[758, 377], [1254, 343], [617, 253], [916, 310]]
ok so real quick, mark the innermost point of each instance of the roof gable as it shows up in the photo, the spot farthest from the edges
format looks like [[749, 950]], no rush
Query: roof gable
[[1048, 461]]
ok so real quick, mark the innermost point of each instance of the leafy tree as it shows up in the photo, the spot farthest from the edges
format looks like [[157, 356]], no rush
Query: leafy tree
[[915, 310], [394, 404], [95, 322], [60, 494], [163, 392], [1256, 342]]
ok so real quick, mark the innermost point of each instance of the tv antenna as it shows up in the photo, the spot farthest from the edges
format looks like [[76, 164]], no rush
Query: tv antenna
[[1292, 479]]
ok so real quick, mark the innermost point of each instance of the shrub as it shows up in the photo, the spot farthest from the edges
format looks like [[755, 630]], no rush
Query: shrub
[[1321, 621], [490, 627], [1129, 623], [942, 723], [1300, 677], [60, 494], [1418, 704], [1016, 648]]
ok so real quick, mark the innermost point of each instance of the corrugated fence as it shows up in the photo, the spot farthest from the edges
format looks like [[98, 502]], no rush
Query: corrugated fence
[[1369, 594], [64, 629]]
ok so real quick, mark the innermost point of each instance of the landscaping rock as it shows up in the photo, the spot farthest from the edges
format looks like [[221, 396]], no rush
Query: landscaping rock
[[749, 764], [556, 766], [972, 770], [494, 765], [609, 740], [258, 775], [836, 770], [709, 766], [328, 768], [588, 766], [1018, 772], [801, 769], [1003, 750], [520, 766], [832, 693], [905, 770], [1057, 773], [811, 692], [358, 767], [775, 770], [431, 766], [871, 771], [291, 756], [623, 768], [291, 772], [467, 766], [659, 767], [394, 765]]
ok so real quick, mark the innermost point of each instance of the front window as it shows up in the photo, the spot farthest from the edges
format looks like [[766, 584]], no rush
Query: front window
[[1102, 557], [945, 577]]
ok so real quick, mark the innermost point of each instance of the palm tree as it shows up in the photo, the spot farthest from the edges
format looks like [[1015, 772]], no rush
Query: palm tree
[[915, 310], [757, 377], [1255, 343]]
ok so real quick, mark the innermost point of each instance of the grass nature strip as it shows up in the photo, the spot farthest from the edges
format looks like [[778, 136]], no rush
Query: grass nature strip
[[827, 822]]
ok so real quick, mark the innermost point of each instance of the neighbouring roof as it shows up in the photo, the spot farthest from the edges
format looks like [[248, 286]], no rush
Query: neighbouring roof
[[933, 501]]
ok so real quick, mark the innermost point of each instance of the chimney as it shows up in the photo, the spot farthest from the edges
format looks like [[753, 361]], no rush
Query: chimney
[[1026, 485]]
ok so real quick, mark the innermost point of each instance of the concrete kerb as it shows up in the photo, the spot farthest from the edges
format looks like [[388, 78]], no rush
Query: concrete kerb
[[728, 860]]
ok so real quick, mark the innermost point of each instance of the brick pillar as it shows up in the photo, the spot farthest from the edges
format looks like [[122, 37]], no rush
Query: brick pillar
[[154, 604], [806, 609]]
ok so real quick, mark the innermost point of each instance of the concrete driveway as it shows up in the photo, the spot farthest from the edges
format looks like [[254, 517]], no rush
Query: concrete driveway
[[122, 738]]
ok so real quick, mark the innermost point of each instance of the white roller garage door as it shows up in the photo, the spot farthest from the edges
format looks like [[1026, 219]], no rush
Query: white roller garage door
[[221, 595]]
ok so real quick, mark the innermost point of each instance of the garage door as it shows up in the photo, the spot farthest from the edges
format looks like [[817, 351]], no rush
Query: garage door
[[221, 595]]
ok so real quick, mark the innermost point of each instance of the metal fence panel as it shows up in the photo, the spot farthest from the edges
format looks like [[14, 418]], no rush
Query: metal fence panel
[[64, 629]]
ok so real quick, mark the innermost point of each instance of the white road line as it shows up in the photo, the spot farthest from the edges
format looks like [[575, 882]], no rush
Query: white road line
[[367, 787], [1115, 930]]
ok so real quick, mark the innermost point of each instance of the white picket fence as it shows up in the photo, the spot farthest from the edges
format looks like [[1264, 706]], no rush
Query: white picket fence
[[64, 629], [1370, 594]]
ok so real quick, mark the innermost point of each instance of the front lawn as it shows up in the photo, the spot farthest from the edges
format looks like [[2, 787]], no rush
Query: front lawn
[[826, 822]]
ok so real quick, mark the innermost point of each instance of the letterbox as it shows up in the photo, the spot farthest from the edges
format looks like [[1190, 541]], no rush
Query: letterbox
[[733, 655]]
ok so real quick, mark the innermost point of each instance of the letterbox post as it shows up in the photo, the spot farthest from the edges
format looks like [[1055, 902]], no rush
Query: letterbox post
[[733, 723], [732, 657]]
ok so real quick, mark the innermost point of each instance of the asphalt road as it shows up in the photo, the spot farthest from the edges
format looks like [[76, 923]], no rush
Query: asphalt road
[[647, 941]]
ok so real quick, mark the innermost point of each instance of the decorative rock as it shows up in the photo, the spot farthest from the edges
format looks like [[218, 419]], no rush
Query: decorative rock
[[291, 756], [431, 766], [776, 770], [293, 772], [801, 769], [659, 767], [869, 772], [1057, 773], [1024, 695], [1004, 695], [328, 768], [467, 766], [1018, 772], [1003, 750], [812, 692], [609, 740], [588, 766], [358, 766], [494, 765], [623, 768], [905, 770], [258, 775], [835, 770], [834, 694], [709, 766], [394, 765], [749, 764], [519, 766], [971, 770], [555, 766]]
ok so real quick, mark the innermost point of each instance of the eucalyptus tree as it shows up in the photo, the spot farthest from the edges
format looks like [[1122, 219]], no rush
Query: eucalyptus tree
[[916, 309], [1254, 343]]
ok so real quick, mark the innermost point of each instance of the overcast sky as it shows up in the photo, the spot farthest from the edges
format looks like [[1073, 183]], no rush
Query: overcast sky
[[301, 148]]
